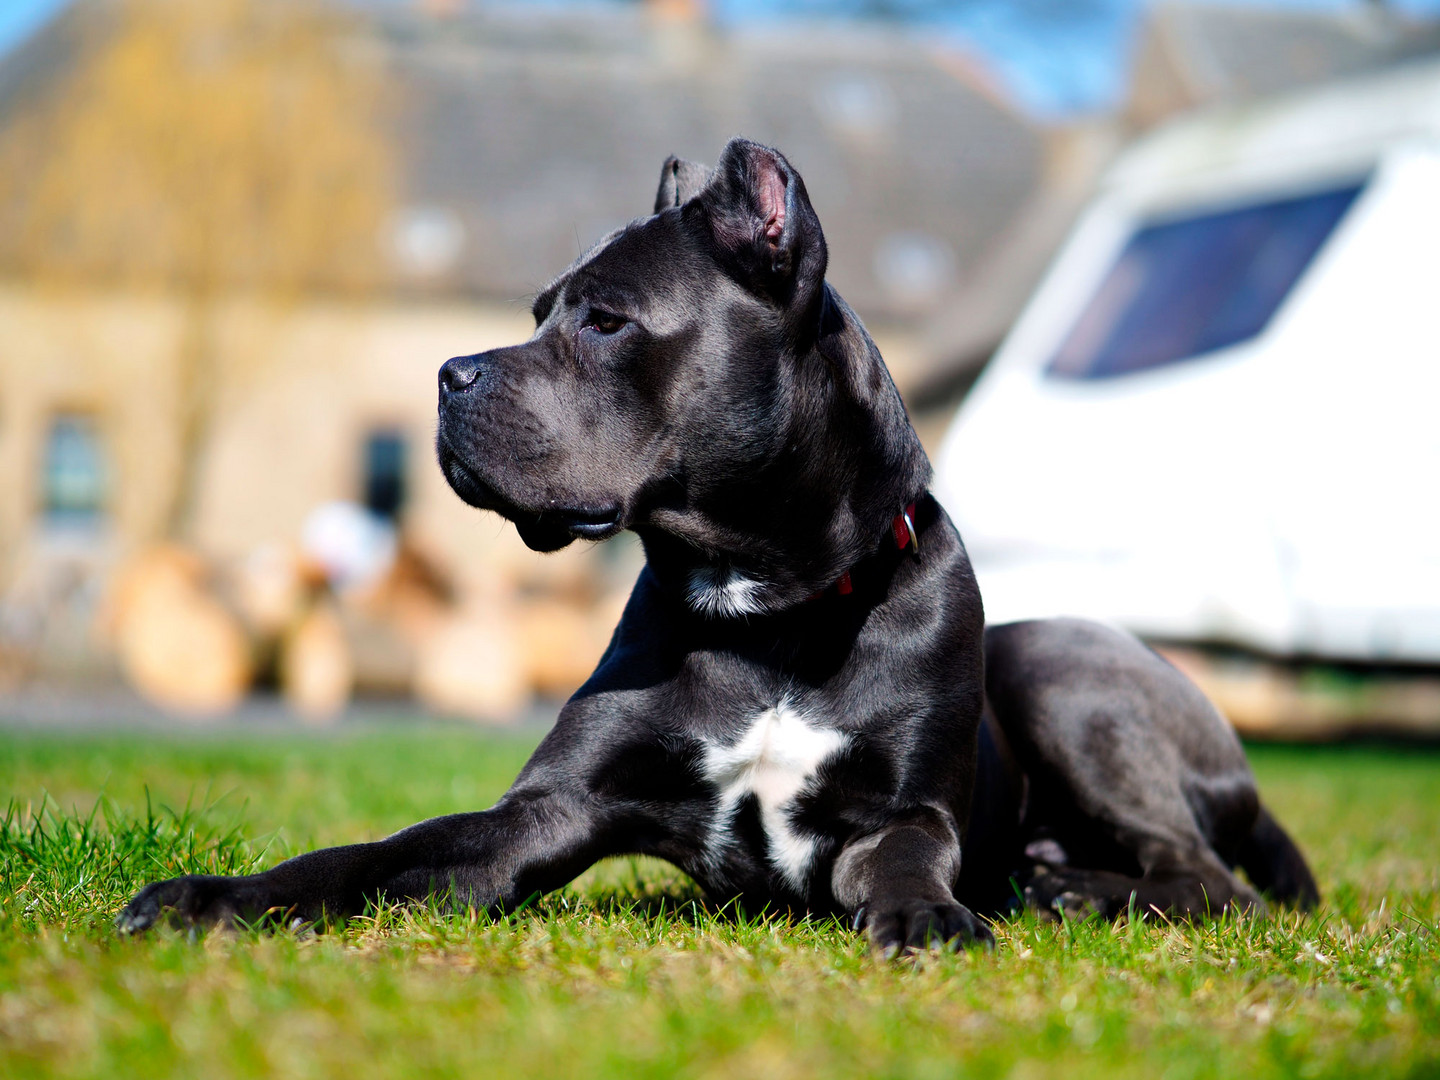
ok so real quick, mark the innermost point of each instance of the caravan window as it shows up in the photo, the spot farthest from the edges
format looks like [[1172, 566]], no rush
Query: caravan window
[[1187, 286]]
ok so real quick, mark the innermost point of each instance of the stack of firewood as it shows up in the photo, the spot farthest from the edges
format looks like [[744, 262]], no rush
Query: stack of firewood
[[177, 643], [195, 639]]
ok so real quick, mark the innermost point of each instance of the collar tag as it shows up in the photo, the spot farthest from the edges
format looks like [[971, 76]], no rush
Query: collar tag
[[904, 529]]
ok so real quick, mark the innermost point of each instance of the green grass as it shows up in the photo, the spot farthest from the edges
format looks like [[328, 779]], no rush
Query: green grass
[[623, 975]]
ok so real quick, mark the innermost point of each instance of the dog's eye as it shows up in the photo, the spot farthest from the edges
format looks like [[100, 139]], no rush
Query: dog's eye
[[604, 321]]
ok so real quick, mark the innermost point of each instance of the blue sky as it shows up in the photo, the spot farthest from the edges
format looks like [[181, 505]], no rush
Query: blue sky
[[18, 18], [1056, 56]]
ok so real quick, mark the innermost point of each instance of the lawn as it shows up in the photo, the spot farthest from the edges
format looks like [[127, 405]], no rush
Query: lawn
[[625, 975]]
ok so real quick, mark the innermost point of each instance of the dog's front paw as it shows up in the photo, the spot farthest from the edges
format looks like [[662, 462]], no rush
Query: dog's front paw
[[197, 900], [914, 925]]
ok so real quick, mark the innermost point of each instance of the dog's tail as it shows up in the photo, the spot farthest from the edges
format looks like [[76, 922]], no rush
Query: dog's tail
[[1275, 865]]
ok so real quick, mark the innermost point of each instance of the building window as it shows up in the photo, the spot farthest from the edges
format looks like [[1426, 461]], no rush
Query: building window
[[384, 476], [1188, 286], [74, 479]]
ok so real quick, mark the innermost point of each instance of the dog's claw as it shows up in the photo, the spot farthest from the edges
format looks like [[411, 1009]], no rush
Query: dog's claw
[[133, 922], [913, 926], [195, 901], [141, 913], [858, 922]]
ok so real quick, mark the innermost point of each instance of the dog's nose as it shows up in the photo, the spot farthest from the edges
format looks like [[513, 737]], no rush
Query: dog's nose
[[459, 373]]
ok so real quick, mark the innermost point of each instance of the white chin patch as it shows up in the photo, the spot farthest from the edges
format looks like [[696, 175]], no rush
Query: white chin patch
[[723, 592], [774, 760]]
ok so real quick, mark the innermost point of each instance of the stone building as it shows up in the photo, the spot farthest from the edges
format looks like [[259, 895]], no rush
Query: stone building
[[521, 136]]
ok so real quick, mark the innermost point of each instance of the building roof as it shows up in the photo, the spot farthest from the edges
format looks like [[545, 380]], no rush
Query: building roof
[[1192, 53], [531, 133]]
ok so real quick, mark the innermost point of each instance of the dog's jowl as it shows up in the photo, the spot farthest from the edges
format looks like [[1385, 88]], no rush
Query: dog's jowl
[[792, 708]]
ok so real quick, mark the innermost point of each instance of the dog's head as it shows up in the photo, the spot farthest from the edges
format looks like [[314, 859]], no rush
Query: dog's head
[[692, 377]]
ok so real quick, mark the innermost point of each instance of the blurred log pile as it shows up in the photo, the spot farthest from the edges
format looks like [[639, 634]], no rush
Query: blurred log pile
[[1308, 703], [195, 638]]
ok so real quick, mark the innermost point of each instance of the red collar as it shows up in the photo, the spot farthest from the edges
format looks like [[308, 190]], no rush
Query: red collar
[[903, 529]]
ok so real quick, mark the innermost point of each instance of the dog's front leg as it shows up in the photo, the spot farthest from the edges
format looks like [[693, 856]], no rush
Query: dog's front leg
[[528, 843], [897, 883]]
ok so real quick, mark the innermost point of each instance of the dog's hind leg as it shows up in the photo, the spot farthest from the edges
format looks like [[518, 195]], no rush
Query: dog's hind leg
[[1272, 861], [1194, 887], [1138, 791]]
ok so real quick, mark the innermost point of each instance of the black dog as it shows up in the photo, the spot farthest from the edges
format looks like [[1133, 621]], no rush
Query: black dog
[[791, 707]]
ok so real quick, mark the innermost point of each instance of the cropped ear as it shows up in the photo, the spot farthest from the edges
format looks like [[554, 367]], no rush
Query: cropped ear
[[680, 181], [763, 223]]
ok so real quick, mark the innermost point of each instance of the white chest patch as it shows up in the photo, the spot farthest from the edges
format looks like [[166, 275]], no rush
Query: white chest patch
[[774, 760], [723, 591]]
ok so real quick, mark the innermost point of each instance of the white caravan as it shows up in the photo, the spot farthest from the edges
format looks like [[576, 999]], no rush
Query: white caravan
[[1219, 416]]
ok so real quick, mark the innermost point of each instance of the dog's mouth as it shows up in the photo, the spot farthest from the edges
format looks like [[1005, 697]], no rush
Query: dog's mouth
[[553, 529], [547, 530], [589, 524]]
